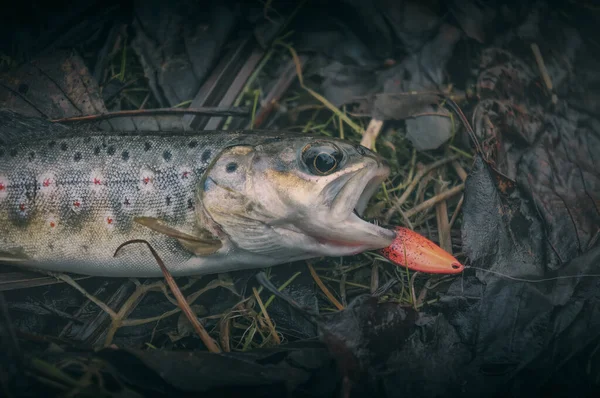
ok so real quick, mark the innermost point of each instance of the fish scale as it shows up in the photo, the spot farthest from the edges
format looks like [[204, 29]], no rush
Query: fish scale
[[81, 212]]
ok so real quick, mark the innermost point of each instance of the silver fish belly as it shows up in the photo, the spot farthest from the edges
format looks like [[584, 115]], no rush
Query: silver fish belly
[[70, 198]]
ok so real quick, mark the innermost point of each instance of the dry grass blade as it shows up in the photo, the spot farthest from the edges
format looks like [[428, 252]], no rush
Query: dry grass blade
[[185, 307], [411, 187], [323, 288], [435, 200], [374, 277], [460, 171], [370, 136], [543, 71], [456, 211], [318, 96], [207, 111], [266, 315], [441, 213], [68, 280], [225, 333]]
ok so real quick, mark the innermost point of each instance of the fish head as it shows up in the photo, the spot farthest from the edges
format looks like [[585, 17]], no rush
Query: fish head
[[295, 197]]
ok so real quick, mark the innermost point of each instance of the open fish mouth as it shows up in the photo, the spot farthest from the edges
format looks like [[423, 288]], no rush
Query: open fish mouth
[[349, 229]]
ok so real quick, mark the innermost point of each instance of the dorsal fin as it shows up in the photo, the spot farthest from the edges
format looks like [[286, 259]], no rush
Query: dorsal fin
[[15, 127]]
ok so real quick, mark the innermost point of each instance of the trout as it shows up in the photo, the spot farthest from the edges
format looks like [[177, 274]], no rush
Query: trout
[[207, 202]]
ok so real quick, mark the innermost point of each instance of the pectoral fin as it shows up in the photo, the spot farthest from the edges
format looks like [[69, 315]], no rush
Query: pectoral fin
[[201, 246]]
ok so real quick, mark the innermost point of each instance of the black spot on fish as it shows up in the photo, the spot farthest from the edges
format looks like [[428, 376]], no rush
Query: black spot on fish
[[97, 151], [77, 156], [31, 156], [125, 155], [87, 139], [279, 165], [64, 146], [23, 88], [167, 156], [231, 167], [13, 152], [147, 146], [111, 150], [193, 144], [168, 200], [51, 144], [51, 246], [190, 204], [206, 155]]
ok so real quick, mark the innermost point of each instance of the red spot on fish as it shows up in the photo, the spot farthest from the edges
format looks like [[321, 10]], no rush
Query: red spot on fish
[[22, 206], [76, 203], [46, 182], [109, 220], [97, 181], [52, 224], [126, 202], [146, 180], [185, 174], [2, 187]]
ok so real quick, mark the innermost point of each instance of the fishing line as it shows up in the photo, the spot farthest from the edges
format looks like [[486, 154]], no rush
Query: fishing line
[[554, 278]]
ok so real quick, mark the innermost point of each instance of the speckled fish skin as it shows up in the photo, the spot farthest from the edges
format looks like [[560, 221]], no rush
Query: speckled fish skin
[[68, 198]]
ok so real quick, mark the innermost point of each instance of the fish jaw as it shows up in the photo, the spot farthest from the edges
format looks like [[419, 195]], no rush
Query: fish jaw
[[339, 228], [415, 252]]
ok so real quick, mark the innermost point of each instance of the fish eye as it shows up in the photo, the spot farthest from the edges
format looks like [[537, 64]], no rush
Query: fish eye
[[322, 158]]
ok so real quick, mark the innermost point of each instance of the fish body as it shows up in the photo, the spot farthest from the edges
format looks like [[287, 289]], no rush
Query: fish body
[[207, 202]]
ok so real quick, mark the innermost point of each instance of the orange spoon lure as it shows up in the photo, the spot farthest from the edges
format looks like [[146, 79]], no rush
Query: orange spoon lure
[[417, 253]]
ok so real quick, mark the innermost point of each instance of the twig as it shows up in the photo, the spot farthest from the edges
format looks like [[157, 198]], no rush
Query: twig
[[412, 290], [24, 98], [343, 288], [207, 111], [543, 71], [323, 288], [462, 174], [185, 307], [266, 315], [374, 276], [371, 134], [67, 279], [456, 211], [436, 199], [410, 188], [358, 285], [127, 308], [225, 332], [280, 289], [441, 213], [146, 98]]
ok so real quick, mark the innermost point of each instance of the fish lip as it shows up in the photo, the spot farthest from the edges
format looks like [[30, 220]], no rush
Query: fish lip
[[352, 229], [369, 190]]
